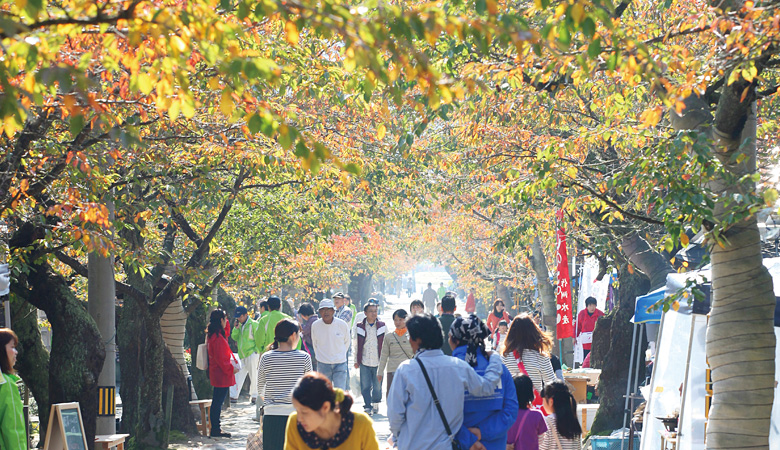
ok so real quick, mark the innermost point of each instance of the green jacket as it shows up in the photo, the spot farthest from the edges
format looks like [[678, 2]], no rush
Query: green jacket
[[354, 314], [244, 335], [266, 326], [13, 435]]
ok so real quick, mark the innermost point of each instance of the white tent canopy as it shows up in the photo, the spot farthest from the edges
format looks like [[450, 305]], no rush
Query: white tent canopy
[[678, 381]]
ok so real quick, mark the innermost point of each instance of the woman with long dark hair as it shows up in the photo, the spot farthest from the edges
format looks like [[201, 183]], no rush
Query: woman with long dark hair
[[497, 315], [527, 351], [563, 428], [13, 435], [221, 369], [278, 371], [492, 415], [323, 419]]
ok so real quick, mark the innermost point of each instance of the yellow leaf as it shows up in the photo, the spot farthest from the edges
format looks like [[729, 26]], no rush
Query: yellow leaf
[[577, 13], [226, 106], [292, 32], [380, 132], [676, 305], [178, 45], [684, 239]]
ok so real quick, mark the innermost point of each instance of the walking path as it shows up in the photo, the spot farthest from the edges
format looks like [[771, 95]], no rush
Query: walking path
[[237, 420]]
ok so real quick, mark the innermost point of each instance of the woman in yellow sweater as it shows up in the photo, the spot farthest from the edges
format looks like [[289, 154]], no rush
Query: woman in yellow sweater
[[323, 420]]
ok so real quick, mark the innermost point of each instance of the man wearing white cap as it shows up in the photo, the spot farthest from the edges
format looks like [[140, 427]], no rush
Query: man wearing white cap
[[331, 338]]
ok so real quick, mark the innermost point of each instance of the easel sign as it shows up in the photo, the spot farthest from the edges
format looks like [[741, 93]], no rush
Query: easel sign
[[66, 428]]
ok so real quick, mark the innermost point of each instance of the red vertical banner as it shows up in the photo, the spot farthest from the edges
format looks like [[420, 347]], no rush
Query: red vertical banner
[[565, 325]]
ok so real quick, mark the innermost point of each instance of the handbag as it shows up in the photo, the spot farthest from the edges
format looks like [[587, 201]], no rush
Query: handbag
[[455, 444], [202, 355], [236, 363], [538, 401], [402, 347]]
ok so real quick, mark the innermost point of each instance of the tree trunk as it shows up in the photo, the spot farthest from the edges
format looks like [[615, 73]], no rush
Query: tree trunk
[[360, 288], [614, 370], [141, 350], [740, 335], [173, 323], [181, 417], [505, 294], [546, 290], [646, 259], [33, 362], [77, 349], [196, 333]]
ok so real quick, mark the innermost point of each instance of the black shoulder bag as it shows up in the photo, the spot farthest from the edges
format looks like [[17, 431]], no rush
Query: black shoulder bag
[[455, 444]]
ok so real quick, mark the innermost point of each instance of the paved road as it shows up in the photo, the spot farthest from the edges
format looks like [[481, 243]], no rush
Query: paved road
[[238, 419]]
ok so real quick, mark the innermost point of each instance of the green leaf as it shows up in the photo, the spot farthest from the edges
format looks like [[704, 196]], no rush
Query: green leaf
[[564, 37], [254, 124], [588, 27], [481, 7], [612, 61], [594, 48], [76, 125]]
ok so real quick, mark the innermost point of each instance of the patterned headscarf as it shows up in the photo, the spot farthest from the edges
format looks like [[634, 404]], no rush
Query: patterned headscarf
[[472, 332]]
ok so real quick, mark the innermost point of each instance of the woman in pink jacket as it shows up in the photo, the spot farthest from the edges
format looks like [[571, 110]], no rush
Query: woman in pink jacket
[[221, 370]]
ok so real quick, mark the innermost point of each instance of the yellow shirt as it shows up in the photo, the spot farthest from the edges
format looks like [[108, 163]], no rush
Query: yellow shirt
[[361, 438]]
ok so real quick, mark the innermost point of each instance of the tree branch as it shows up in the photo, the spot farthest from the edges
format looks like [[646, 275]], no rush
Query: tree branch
[[83, 271]]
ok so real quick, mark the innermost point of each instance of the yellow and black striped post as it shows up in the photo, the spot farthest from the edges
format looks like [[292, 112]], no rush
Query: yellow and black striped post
[[107, 401]]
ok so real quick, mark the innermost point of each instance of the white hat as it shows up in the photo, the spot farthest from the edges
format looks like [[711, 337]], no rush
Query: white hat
[[326, 303]]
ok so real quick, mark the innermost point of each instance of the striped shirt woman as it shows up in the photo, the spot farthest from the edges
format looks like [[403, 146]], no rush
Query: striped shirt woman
[[526, 343], [277, 373]]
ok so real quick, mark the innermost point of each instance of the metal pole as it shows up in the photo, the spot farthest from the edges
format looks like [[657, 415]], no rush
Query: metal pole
[[7, 310], [680, 431], [101, 304], [639, 365], [628, 387]]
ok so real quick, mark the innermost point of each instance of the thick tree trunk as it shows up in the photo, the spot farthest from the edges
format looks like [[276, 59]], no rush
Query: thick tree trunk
[[505, 294], [614, 370], [360, 288], [141, 350], [33, 362], [740, 334], [181, 417], [546, 290], [77, 349]]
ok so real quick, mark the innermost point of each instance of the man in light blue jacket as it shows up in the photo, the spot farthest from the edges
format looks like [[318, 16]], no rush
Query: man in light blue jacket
[[414, 419]]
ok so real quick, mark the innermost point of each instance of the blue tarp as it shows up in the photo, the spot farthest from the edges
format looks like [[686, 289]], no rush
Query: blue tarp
[[643, 303]]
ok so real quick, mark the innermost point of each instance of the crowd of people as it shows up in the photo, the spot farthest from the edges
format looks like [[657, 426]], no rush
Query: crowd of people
[[452, 381]]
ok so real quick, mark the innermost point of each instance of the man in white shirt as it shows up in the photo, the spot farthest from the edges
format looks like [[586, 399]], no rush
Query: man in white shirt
[[331, 339], [369, 334], [430, 297]]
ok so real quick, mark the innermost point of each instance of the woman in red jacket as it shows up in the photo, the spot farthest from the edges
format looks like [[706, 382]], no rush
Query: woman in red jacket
[[220, 367], [497, 315]]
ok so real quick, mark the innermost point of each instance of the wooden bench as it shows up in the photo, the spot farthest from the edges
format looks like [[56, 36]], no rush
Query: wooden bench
[[109, 441], [205, 423]]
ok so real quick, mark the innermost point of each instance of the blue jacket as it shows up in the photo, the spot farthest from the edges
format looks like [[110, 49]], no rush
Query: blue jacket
[[494, 414]]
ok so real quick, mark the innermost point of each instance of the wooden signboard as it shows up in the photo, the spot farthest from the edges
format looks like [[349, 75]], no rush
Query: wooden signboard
[[66, 428]]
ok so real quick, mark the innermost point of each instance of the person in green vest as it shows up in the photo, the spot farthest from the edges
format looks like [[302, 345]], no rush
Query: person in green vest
[[352, 307], [244, 332], [267, 324], [442, 291], [262, 310], [13, 435]]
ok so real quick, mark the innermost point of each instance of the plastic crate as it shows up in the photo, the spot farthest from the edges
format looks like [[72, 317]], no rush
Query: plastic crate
[[611, 443]]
